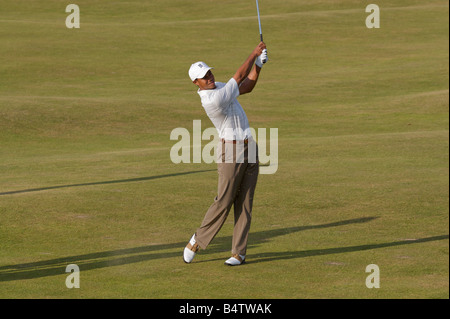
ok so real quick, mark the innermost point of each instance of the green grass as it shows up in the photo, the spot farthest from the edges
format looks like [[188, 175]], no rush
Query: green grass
[[86, 177]]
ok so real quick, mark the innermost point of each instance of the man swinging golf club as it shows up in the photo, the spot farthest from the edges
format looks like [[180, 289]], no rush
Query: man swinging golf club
[[237, 155]]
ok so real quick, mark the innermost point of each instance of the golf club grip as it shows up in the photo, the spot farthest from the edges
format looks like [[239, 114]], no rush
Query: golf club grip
[[261, 37]]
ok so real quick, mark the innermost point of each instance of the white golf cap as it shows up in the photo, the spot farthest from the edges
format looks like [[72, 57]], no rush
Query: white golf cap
[[198, 70]]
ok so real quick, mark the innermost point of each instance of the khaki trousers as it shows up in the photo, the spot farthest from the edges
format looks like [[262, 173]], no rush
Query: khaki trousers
[[236, 186]]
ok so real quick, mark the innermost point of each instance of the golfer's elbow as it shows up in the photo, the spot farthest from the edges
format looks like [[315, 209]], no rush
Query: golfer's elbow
[[247, 86]]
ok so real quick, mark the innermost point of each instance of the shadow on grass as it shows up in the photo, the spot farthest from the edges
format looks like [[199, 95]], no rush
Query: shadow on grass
[[139, 179], [118, 257], [264, 257]]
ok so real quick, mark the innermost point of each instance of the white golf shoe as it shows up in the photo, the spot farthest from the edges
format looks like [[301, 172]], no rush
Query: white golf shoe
[[190, 250], [235, 260]]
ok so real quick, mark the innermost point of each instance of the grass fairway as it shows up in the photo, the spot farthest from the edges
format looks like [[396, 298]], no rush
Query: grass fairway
[[86, 177]]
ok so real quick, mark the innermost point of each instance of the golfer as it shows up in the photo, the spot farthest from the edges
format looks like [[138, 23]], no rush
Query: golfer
[[237, 154]]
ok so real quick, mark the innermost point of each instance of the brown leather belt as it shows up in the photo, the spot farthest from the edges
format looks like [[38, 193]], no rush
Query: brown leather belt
[[235, 141]]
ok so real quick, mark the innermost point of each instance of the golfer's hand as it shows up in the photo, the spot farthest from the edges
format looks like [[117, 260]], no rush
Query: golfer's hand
[[259, 48], [262, 59]]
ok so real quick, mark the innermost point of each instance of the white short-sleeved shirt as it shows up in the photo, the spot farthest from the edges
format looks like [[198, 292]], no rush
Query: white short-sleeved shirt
[[225, 112]]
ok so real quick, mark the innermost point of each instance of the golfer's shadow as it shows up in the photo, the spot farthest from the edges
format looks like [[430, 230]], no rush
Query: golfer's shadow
[[257, 238], [98, 260], [222, 244], [273, 256]]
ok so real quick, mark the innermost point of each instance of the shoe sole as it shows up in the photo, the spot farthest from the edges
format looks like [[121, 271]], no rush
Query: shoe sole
[[243, 262], [187, 262]]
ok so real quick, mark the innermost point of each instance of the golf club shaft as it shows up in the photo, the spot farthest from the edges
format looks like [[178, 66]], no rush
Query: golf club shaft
[[259, 21]]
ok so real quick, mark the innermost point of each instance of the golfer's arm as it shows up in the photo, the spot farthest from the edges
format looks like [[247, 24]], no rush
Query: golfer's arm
[[249, 83], [242, 73]]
